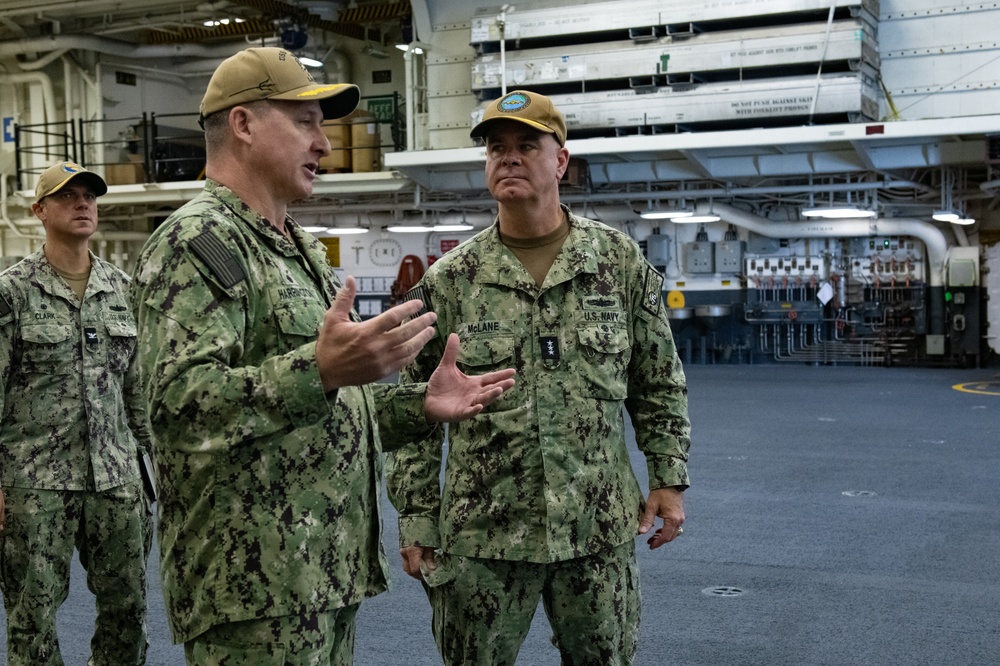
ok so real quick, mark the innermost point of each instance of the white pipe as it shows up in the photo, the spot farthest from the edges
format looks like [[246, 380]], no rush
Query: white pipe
[[108, 46], [9, 223], [411, 139], [41, 62], [932, 237], [41, 79], [502, 20]]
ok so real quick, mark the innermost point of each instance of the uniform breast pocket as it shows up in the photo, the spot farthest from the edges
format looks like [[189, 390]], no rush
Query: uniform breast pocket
[[121, 345], [482, 354], [605, 352], [47, 349], [299, 322]]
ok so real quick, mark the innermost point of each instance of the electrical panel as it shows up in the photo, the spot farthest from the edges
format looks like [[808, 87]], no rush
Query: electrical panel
[[729, 256], [699, 257]]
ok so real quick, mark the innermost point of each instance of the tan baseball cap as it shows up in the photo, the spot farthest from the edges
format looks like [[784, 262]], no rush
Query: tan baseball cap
[[58, 175], [526, 107], [273, 73]]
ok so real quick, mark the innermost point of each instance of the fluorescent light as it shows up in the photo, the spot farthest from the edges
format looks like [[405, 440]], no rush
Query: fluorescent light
[[310, 62], [696, 219], [945, 216], [453, 227], [838, 212], [346, 231], [408, 229], [406, 47], [314, 230], [665, 214], [964, 221]]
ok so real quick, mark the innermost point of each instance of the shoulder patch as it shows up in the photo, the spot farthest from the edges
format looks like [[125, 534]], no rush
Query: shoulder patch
[[418, 293], [5, 308], [218, 258], [652, 291]]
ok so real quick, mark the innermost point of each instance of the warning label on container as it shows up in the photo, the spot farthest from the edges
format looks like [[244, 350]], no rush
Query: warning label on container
[[775, 105]]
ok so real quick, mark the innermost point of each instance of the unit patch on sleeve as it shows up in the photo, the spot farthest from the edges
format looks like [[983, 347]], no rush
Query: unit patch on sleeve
[[652, 291], [218, 258]]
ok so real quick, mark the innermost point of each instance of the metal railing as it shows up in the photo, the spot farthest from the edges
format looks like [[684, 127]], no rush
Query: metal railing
[[166, 147]]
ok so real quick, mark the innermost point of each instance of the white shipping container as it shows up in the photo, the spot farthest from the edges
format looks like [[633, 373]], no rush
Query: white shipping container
[[849, 40]]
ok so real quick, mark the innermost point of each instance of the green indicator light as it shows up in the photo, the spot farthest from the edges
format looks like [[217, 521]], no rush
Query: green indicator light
[[947, 297]]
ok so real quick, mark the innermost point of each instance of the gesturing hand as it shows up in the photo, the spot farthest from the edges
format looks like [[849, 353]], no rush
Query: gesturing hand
[[453, 395], [351, 353]]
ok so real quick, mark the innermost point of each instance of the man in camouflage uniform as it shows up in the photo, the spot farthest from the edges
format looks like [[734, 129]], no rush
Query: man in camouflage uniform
[[257, 374], [69, 460], [539, 498]]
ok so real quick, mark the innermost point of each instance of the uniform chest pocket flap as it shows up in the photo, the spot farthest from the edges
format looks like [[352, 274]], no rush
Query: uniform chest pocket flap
[[605, 351], [121, 329], [121, 344], [481, 353], [299, 318], [47, 348]]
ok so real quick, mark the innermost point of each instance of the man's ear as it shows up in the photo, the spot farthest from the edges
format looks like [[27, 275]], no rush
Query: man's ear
[[239, 122], [562, 162], [38, 209]]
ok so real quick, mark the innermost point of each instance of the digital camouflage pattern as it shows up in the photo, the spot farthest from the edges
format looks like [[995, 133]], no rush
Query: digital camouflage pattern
[[72, 428], [483, 608], [268, 487], [68, 392], [321, 639], [543, 473], [113, 532]]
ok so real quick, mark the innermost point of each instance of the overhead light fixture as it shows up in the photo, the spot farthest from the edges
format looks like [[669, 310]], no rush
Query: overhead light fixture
[[964, 221], [945, 215], [370, 50], [696, 219], [413, 47], [346, 231], [310, 62], [452, 227], [215, 23], [836, 212], [408, 229], [665, 214], [314, 230]]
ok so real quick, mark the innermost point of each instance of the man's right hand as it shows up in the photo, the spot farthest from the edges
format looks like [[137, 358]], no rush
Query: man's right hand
[[351, 353], [413, 556]]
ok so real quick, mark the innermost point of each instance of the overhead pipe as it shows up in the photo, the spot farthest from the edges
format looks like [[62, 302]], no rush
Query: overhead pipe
[[41, 79], [109, 46], [932, 237]]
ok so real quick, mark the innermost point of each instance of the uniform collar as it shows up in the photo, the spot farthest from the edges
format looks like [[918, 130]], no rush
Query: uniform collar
[[576, 257]]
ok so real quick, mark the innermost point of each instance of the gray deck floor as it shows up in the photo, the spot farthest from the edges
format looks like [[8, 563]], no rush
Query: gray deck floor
[[837, 516]]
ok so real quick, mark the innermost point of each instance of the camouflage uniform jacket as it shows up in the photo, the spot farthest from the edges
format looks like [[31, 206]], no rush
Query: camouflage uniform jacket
[[268, 487], [67, 381], [543, 474]]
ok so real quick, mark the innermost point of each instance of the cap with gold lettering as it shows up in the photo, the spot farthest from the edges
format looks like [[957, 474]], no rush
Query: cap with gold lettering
[[58, 175], [273, 73], [527, 107]]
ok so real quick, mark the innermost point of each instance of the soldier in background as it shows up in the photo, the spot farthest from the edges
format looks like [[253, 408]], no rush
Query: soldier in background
[[267, 450], [540, 500], [72, 431]]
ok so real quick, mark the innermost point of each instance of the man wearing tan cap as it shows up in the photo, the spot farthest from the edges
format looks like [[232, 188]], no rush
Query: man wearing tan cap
[[540, 500], [258, 373], [72, 430]]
